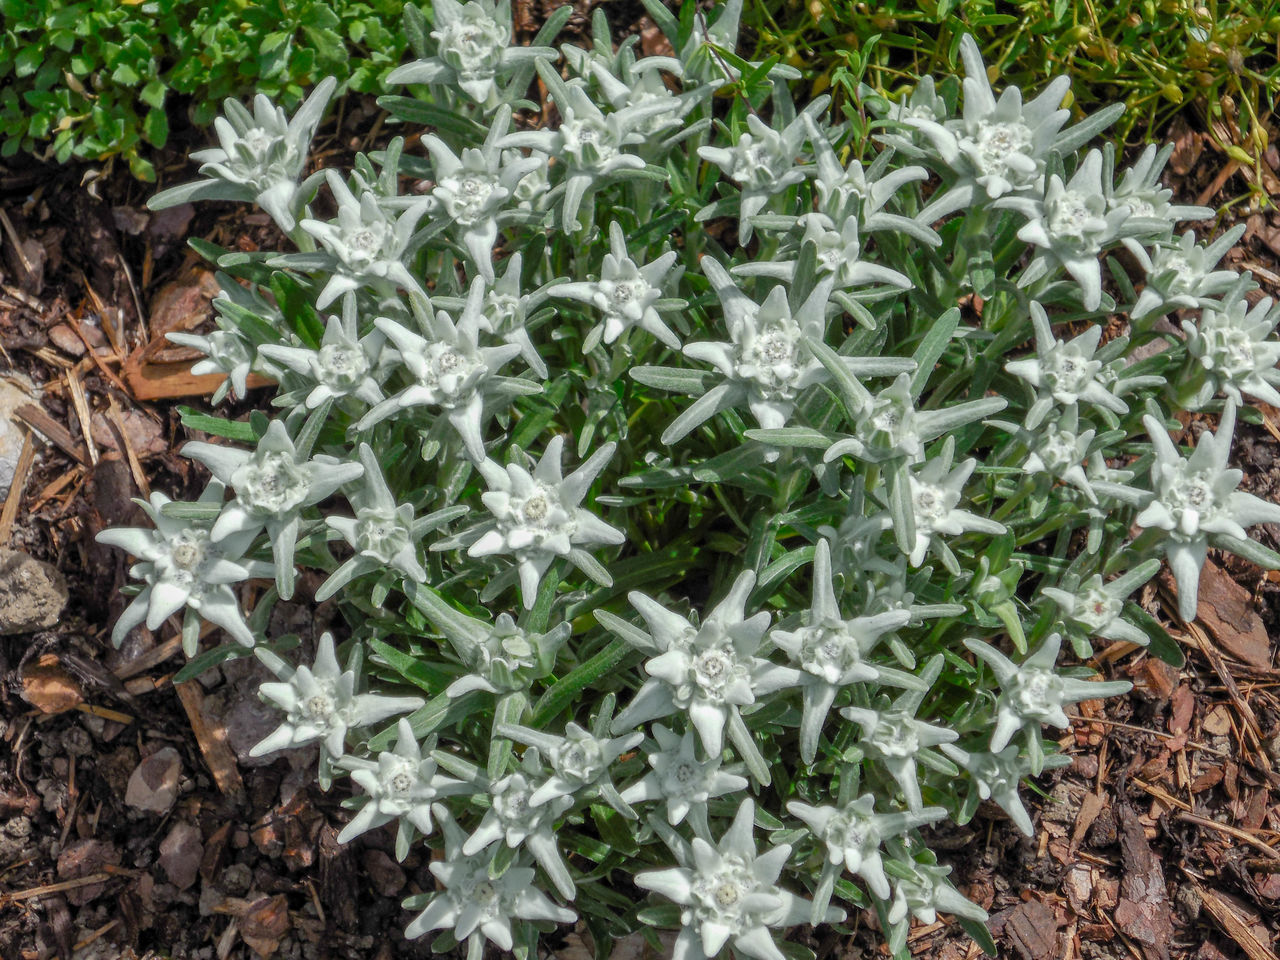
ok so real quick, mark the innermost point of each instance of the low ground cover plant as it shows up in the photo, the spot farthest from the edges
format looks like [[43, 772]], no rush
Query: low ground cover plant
[[96, 79], [710, 486]]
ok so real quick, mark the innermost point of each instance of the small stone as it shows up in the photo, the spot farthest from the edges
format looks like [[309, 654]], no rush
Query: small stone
[[64, 338], [32, 593], [153, 787], [237, 879], [180, 854]]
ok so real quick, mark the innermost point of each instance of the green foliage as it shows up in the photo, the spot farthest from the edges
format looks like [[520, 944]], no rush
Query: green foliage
[[100, 78], [1155, 56]]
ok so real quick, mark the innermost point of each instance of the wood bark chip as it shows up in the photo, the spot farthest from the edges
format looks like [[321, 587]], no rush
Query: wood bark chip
[[1226, 609], [1234, 926], [1032, 930], [1144, 912], [212, 740]]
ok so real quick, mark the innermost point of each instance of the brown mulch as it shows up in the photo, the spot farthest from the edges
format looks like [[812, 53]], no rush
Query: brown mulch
[[133, 823]]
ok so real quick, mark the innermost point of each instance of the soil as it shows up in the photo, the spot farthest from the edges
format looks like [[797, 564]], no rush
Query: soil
[[134, 824]]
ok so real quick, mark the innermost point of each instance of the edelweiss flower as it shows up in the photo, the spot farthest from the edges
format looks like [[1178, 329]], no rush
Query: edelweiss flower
[[763, 162], [1065, 373], [260, 157], [227, 351], [996, 777], [1034, 691], [589, 142], [831, 652], [1142, 192], [852, 834], [627, 294], [1096, 606], [502, 656], [344, 366], [680, 779], [400, 785], [273, 485], [922, 896], [384, 533], [895, 739], [1196, 497], [1058, 449], [1000, 146], [768, 363], [708, 673], [731, 895], [366, 246], [320, 703], [579, 760], [891, 427], [936, 491], [474, 189], [1182, 276], [537, 517], [1071, 225], [479, 907], [449, 369], [182, 567], [514, 818], [1230, 344], [474, 49], [506, 311]]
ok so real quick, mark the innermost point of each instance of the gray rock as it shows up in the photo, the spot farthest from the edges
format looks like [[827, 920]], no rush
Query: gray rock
[[32, 593], [180, 854], [153, 787]]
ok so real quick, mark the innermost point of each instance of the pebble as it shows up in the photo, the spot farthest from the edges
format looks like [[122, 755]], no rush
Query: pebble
[[32, 593], [153, 786]]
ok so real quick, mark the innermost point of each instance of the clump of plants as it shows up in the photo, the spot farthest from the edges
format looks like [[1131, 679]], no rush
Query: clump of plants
[[709, 486], [99, 79]]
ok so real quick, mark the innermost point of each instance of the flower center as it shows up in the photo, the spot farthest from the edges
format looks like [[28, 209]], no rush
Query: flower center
[[319, 708], [996, 142], [1070, 216], [341, 367], [895, 738], [274, 486]]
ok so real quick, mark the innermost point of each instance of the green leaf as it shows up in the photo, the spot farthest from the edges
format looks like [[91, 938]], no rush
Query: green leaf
[[805, 437], [932, 347], [566, 690], [155, 127], [1162, 646], [237, 430], [415, 671], [664, 916]]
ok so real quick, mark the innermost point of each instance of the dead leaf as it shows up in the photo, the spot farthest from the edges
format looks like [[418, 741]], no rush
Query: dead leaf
[[1226, 610], [48, 687], [1144, 912]]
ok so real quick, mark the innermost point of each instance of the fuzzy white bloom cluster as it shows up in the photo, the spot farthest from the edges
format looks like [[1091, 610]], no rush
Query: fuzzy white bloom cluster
[[864, 432]]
